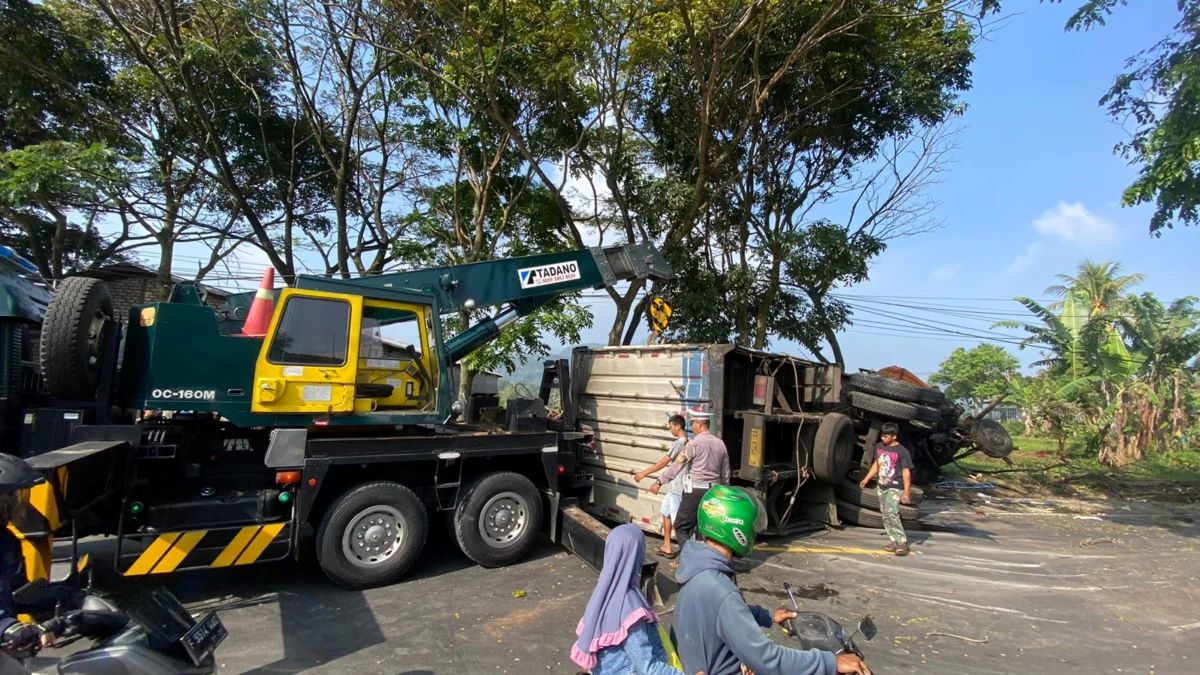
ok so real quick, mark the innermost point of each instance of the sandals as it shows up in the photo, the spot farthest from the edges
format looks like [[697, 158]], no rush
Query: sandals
[[669, 556]]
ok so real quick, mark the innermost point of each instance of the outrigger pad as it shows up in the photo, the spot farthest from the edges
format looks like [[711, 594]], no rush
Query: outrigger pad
[[71, 453]]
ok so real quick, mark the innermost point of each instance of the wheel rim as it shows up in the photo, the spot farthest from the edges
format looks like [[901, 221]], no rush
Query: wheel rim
[[95, 326], [373, 537], [993, 438], [504, 519]]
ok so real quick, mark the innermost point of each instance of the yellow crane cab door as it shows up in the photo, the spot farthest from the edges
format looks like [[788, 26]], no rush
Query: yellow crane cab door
[[309, 359]]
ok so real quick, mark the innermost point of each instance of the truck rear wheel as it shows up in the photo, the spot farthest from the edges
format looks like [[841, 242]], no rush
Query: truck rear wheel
[[371, 535], [70, 349], [833, 447], [498, 519]]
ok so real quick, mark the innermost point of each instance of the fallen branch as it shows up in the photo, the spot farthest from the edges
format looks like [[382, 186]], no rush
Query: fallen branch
[[958, 637], [1025, 470], [1085, 474]]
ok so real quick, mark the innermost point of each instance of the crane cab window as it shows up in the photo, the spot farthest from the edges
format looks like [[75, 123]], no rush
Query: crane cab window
[[394, 368], [312, 332]]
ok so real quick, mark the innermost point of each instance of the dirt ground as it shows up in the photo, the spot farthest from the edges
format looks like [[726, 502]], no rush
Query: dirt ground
[[995, 586]]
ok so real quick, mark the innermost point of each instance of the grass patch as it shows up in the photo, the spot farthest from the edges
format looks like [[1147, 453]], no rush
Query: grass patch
[[1039, 469]]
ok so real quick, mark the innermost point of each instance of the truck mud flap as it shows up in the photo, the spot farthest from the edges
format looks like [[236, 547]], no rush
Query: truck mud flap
[[165, 552]]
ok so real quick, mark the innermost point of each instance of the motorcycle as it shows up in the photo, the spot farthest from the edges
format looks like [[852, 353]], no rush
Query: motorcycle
[[814, 630], [154, 634]]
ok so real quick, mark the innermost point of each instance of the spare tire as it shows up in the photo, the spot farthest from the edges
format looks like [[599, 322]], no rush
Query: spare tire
[[848, 490], [897, 410], [992, 438], [70, 349], [868, 498], [865, 517], [833, 447], [895, 389]]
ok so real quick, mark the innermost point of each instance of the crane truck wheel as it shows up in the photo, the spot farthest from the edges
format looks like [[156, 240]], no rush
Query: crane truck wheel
[[70, 348], [371, 535], [833, 447], [498, 519]]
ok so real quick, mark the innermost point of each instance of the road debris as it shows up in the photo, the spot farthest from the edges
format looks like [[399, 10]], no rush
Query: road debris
[[957, 637], [1099, 540]]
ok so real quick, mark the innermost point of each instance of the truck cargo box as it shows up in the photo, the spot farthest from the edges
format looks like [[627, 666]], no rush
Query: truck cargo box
[[767, 407]]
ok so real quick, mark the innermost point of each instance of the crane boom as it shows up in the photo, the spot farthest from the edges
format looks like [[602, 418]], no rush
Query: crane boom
[[521, 285]]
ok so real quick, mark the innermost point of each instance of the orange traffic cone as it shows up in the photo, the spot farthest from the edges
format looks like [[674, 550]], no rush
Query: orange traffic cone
[[259, 316]]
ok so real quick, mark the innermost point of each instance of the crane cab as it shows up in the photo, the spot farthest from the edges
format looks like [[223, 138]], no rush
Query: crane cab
[[336, 353]]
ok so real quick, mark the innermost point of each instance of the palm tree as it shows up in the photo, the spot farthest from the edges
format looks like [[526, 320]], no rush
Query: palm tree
[[1103, 283]]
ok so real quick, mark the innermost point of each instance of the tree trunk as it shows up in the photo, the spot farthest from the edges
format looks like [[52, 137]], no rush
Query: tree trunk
[[766, 303], [635, 319]]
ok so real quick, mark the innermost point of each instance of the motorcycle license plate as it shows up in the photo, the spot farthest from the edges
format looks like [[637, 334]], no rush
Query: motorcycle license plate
[[202, 639]]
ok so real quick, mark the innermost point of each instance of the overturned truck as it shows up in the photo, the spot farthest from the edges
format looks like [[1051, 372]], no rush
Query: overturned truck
[[797, 431]]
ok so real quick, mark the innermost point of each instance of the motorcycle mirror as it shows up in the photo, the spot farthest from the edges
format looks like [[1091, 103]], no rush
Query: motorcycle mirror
[[788, 587], [31, 593], [867, 627]]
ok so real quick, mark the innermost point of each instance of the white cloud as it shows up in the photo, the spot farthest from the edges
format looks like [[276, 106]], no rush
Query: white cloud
[[1074, 224], [945, 272], [1022, 263]]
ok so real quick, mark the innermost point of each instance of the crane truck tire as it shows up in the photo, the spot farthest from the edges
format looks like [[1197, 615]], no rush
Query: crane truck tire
[[371, 535], [896, 410], [70, 348], [498, 519], [833, 447], [895, 389]]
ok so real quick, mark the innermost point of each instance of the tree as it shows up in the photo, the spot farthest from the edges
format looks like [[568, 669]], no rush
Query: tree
[[56, 159], [217, 79], [1159, 95], [1103, 283], [1124, 368], [976, 375], [1043, 408]]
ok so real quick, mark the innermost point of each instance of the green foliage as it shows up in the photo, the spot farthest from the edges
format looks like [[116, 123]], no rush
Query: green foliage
[[1159, 96], [52, 86], [976, 375], [1117, 365], [780, 135]]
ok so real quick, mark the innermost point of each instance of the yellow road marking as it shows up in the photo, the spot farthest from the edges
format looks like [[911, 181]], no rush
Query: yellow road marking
[[235, 547], [178, 551], [825, 550], [260, 544], [153, 554]]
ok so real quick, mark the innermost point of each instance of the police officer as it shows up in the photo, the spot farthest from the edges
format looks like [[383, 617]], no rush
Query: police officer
[[707, 462]]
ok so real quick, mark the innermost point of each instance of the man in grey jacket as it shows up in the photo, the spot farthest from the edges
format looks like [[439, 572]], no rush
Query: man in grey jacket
[[716, 631]]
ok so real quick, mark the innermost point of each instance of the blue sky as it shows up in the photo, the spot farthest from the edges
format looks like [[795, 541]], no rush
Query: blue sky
[[1034, 188]]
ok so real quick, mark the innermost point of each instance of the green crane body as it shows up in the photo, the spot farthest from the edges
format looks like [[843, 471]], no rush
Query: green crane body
[[182, 360]]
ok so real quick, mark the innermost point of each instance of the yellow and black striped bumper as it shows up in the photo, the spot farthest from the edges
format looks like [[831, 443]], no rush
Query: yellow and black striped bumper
[[203, 549]]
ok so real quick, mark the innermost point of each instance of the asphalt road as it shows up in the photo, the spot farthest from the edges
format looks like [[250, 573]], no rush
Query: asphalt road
[[999, 587]]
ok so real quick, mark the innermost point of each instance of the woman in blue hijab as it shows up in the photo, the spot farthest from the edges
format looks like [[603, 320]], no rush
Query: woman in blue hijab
[[619, 631]]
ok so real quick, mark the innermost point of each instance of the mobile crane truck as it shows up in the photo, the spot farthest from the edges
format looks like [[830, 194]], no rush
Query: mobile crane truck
[[199, 446]]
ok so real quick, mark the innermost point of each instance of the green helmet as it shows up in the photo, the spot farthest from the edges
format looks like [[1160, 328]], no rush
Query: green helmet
[[727, 515]]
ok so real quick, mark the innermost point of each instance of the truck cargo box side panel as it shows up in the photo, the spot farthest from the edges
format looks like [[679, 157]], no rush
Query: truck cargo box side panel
[[625, 396]]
